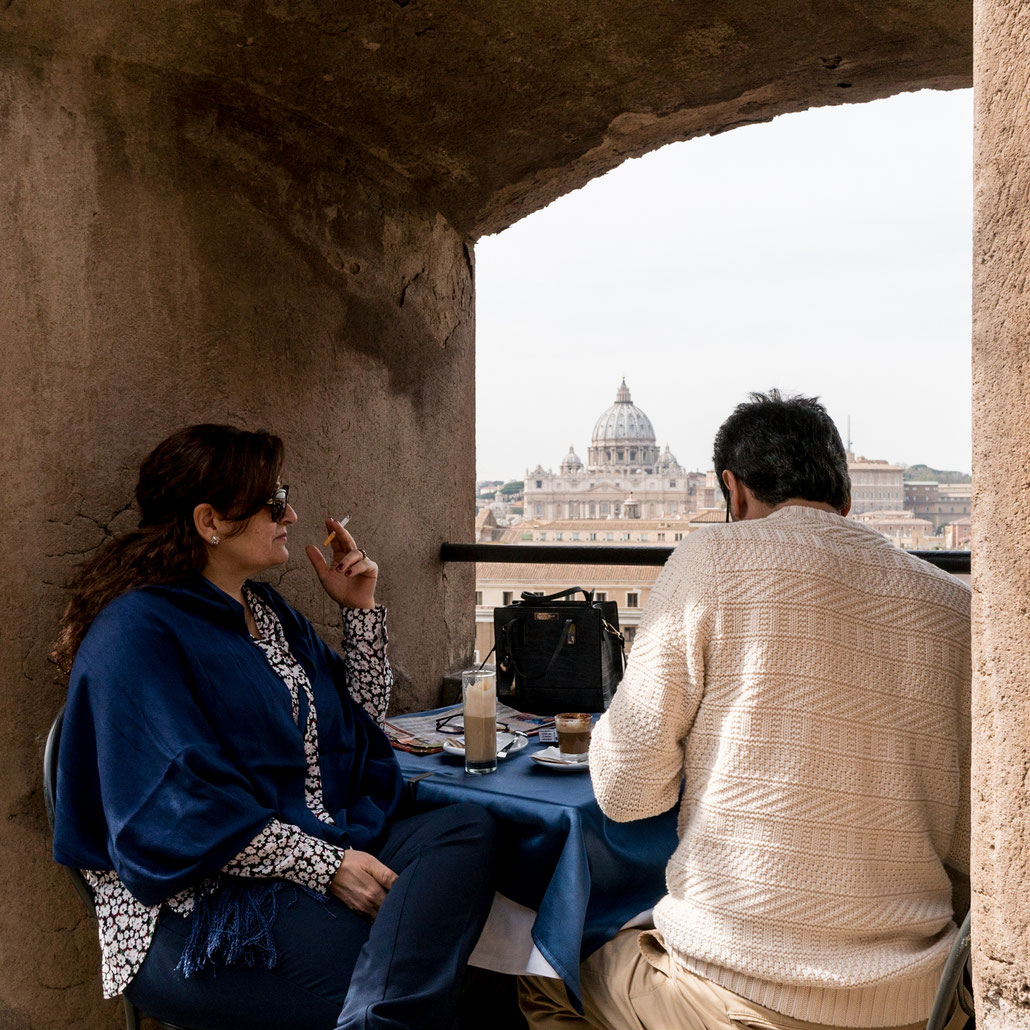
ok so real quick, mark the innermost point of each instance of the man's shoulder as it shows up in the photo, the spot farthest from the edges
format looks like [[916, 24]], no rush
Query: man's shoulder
[[803, 542], [935, 583], [697, 548]]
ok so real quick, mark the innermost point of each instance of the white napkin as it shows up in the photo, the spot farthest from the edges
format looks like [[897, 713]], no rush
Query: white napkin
[[552, 754], [458, 743]]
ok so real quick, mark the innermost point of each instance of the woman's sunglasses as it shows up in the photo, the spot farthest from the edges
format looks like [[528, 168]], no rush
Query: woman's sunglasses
[[277, 502]]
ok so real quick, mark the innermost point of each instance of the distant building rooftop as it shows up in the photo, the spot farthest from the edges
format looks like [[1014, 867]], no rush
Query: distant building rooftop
[[603, 525], [588, 576], [709, 515], [886, 518]]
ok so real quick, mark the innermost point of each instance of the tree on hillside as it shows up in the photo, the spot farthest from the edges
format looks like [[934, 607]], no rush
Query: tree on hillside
[[924, 472]]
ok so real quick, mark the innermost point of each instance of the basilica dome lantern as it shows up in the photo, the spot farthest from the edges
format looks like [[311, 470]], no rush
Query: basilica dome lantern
[[667, 463], [571, 462], [623, 438]]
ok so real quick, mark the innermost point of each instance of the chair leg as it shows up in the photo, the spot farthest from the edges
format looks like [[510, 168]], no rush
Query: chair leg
[[133, 1018], [131, 1015]]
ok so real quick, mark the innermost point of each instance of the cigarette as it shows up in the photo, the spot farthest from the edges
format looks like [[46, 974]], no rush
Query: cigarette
[[332, 536]]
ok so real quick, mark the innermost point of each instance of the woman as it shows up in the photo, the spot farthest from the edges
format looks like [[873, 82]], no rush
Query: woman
[[234, 808]]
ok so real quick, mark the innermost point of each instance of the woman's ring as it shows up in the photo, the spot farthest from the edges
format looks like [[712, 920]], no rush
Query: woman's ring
[[363, 553]]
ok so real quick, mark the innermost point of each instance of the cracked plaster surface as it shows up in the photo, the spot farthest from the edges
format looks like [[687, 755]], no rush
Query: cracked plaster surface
[[489, 111]]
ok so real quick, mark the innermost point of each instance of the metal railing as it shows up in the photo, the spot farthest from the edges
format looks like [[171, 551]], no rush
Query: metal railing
[[589, 554]]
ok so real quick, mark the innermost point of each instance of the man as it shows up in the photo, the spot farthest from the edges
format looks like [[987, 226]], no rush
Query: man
[[808, 686]]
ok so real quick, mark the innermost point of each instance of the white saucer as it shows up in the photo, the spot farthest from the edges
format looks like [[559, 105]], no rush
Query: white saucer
[[457, 745], [550, 758]]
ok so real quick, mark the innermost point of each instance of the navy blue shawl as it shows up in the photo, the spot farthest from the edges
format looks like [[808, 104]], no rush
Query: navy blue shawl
[[179, 744]]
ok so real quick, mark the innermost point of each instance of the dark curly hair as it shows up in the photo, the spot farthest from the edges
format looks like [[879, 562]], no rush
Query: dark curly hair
[[783, 447], [233, 470]]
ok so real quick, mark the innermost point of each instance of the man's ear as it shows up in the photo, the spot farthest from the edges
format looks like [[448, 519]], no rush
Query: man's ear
[[738, 498]]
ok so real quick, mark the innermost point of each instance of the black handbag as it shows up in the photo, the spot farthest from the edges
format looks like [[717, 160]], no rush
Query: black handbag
[[559, 656]]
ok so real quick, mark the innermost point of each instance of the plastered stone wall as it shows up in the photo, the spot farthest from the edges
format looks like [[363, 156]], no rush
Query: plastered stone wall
[[1001, 538], [167, 258]]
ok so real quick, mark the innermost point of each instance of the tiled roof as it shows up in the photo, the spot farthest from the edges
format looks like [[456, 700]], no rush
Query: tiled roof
[[872, 464], [712, 515], [588, 576], [602, 525]]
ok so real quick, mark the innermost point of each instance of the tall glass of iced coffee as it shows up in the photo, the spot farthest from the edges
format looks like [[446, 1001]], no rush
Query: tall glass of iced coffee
[[479, 693]]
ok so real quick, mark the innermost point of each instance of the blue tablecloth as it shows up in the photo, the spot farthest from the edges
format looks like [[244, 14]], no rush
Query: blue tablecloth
[[583, 874]]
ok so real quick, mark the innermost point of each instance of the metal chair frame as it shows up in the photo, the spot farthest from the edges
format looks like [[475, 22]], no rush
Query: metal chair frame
[[50, 753], [957, 975]]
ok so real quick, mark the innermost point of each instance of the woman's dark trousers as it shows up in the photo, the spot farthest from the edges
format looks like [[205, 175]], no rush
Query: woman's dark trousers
[[336, 970]]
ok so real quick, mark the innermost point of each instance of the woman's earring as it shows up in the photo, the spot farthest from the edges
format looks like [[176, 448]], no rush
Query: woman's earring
[[214, 539]]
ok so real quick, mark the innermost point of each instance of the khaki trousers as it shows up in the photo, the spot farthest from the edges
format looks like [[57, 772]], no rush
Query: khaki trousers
[[624, 990]]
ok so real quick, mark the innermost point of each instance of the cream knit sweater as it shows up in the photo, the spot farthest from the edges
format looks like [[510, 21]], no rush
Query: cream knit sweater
[[808, 683]]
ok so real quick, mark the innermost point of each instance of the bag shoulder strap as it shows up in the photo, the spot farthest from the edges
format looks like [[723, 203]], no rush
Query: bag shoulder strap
[[537, 598], [562, 637], [620, 646]]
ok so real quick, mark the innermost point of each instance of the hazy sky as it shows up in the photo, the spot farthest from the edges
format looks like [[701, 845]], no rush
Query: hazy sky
[[826, 253]]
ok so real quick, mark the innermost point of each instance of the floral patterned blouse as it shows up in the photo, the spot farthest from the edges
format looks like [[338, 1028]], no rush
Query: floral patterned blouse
[[280, 850]]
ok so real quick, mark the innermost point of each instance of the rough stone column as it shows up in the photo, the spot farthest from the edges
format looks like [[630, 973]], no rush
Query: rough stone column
[[168, 257], [1001, 524]]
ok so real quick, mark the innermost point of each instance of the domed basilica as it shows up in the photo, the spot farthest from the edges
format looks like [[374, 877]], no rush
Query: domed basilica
[[626, 476]]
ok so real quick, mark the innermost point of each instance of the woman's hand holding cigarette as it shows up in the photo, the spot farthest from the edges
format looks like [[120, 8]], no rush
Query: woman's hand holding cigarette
[[349, 577], [332, 533]]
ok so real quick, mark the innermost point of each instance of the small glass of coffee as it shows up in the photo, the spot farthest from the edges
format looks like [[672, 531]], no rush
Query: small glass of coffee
[[573, 735]]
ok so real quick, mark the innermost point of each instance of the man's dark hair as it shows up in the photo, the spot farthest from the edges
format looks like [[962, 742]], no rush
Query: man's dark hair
[[782, 448]]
